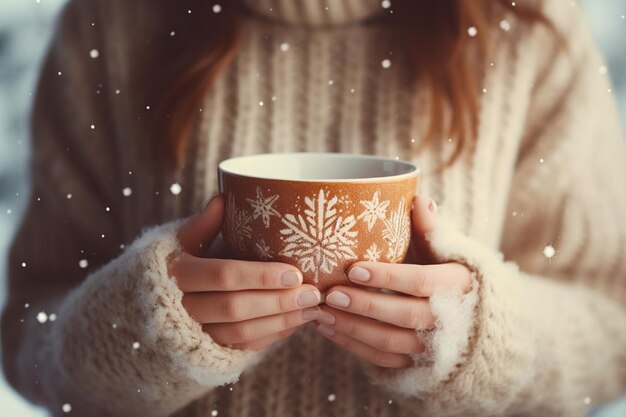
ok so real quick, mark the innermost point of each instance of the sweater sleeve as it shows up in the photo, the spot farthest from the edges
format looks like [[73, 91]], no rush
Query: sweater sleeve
[[86, 325], [543, 332]]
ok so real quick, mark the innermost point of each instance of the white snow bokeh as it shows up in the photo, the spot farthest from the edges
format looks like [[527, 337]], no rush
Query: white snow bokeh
[[549, 251], [25, 26], [175, 188]]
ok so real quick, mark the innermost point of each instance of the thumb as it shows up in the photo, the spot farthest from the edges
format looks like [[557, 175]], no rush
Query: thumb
[[423, 219], [200, 230]]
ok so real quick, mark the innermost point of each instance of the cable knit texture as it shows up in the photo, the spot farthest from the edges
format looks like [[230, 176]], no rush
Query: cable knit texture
[[536, 336]]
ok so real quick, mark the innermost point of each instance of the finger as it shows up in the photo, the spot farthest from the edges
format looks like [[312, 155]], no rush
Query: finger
[[366, 352], [266, 341], [403, 311], [416, 280], [381, 336], [423, 222], [228, 307], [200, 230], [194, 274], [250, 330]]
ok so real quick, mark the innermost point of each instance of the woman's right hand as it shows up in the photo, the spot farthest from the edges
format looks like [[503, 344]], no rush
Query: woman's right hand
[[240, 304]]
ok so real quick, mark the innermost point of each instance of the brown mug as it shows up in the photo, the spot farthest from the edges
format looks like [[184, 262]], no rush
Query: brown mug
[[320, 212]]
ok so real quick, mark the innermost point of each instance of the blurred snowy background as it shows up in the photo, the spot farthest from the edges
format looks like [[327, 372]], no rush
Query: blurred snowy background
[[25, 27]]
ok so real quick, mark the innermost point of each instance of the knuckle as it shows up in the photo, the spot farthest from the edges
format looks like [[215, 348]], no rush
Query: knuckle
[[391, 342], [286, 321], [410, 317], [267, 278], [386, 278], [241, 332], [232, 309], [225, 276], [344, 342], [349, 328], [423, 284], [381, 359], [365, 306], [283, 302]]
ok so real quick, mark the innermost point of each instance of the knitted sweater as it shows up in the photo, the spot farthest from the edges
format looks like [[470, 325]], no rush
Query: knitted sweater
[[94, 324]]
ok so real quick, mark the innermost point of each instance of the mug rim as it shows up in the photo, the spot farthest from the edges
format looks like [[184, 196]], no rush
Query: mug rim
[[414, 170]]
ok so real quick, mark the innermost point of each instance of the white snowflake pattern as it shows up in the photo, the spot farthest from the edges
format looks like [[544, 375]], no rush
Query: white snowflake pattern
[[374, 210], [373, 253], [237, 223], [321, 238], [263, 206], [263, 250], [397, 233]]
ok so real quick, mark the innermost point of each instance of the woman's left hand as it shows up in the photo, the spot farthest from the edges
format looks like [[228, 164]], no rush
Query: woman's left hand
[[379, 327]]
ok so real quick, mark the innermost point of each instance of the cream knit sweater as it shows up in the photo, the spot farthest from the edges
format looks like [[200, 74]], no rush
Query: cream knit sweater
[[538, 337]]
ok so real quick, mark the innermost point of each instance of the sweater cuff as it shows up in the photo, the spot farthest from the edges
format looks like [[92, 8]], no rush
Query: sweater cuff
[[125, 334], [476, 335]]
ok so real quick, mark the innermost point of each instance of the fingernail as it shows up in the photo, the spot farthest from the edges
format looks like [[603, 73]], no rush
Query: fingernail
[[359, 274], [309, 298], [291, 278], [432, 206], [311, 313], [208, 202], [326, 331], [326, 317], [338, 299]]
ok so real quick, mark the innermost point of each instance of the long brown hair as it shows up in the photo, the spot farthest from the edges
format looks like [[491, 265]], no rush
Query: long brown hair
[[434, 34]]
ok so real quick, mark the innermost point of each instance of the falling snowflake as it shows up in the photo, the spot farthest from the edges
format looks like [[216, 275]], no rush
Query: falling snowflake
[[397, 233], [52, 317], [136, 345], [176, 188], [238, 224], [42, 317], [374, 210], [386, 4], [505, 25], [263, 250], [214, 413], [549, 251], [373, 253], [263, 206], [385, 63], [127, 192], [332, 397], [66, 408], [94, 53], [472, 31], [83, 263], [284, 47], [322, 238], [217, 8], [587, 400]]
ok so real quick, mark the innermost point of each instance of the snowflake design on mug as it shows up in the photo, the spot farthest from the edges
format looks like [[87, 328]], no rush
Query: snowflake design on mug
[[397, 233], [263, 207], [263, 250], [237, 222], [373, 253], [321, 238], [374, 210]]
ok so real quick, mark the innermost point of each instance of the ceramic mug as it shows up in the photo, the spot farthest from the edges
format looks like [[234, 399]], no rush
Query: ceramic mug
[[320, 212]]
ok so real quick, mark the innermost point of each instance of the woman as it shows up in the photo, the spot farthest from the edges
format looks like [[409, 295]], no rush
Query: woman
[[515, 304]]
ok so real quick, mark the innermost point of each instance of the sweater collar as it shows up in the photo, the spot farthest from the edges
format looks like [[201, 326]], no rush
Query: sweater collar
[[316, 12]]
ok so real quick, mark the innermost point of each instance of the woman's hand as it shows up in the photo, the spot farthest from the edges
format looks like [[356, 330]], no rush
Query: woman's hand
[[379, 327], [245, 305]]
